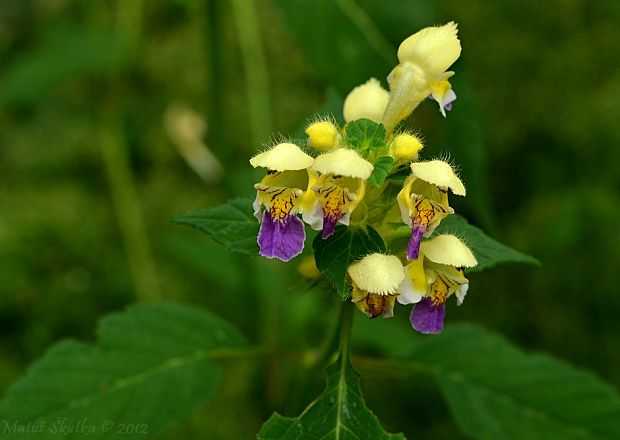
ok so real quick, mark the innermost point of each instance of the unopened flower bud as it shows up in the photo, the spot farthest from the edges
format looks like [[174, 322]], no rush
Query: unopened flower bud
[[405, 146], [323, 135], [366, 101]]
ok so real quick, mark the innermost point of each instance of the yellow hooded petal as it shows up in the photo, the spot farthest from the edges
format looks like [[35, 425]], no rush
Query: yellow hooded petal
[[449, 250], [366, 101], [283, 157], [438, 173], [377, 273], [343, 162], [434, 49]]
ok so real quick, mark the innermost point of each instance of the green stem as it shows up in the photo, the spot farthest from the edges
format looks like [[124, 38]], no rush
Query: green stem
[[270, 289], [337, 340], [209, 17], [127, 207], [123, 191], [256, 76], [346, 322], [335, 346]]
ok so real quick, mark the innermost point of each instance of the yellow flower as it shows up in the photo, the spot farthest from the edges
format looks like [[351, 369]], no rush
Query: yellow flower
[[433, 278], [424, 57], [423, 201], [337, 184], [323, 135], [366, 101], [375, 280]]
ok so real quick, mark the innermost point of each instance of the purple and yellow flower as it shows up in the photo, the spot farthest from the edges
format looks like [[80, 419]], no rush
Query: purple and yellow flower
[[433, 278], [337, 186], [375, 280], [423, 201], [278, 199]]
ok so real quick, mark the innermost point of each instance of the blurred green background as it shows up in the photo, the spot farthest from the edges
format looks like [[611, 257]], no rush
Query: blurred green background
[[103, 106]]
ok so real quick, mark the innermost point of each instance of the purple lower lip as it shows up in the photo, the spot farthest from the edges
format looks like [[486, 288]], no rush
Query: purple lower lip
[[428, 318], [282, 239]]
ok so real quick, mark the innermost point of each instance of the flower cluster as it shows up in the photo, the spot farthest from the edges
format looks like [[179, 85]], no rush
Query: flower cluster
[[339, 179]]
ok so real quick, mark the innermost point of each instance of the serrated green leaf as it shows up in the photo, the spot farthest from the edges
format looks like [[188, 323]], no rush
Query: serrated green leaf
[[497, 392], [382, 167], [365, 134], [152, 366], [338, 413], [334, 254], [488, 251], [232, 225]]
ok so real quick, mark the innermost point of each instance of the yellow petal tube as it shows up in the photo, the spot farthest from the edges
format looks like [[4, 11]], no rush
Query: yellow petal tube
[[438, 173], [283, 157], [366, 101], [434, 49], [449, 250], [377, 273], [408, 88], [323, 135], [415, 285], [343, 162]]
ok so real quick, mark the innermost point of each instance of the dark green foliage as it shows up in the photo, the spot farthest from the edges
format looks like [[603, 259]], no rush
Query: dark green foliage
[[488, 251], [382, 168], [495, 391], [339, 412], [365, 134], [232, 225], [153, 365]]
